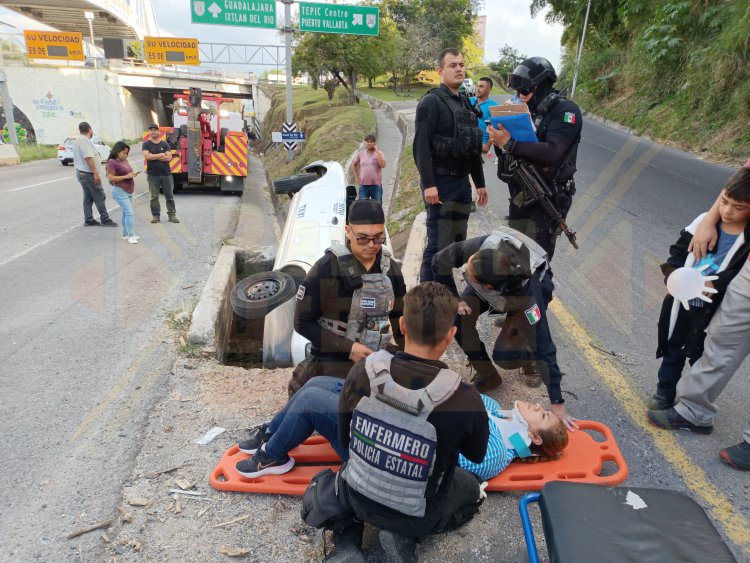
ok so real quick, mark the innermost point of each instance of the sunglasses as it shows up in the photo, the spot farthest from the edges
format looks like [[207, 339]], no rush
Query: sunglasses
[[524, 91], [364, 241]]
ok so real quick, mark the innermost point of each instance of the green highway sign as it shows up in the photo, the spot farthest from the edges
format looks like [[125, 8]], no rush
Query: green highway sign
[[339, 18], [248, 13]]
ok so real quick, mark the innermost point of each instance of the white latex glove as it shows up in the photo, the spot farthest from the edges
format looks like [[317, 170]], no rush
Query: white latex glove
[[688, 283]]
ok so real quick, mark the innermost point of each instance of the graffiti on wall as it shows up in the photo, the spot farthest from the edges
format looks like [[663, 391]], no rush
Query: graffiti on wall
[[48, 105]]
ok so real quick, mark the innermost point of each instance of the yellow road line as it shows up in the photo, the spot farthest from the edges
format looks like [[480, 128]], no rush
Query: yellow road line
[[114, 392], [735, 524]]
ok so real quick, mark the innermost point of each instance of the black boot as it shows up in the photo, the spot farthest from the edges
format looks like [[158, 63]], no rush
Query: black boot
[[487, 377], [347, 545]]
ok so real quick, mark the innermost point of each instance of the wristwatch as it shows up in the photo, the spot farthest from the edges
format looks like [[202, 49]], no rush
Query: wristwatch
[[508, 147]]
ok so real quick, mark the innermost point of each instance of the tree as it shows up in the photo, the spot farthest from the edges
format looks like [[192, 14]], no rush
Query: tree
[[509, 59], [414, 51]]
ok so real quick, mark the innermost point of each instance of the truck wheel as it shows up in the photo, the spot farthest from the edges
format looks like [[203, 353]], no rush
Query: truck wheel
[[257, 295], [289, 185]]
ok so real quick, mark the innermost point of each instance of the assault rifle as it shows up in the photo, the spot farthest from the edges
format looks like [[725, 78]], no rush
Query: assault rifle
[[535, 189]]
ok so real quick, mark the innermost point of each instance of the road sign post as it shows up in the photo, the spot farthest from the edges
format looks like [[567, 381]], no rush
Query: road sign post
[[247, 13], [339, 18], [171, 50]]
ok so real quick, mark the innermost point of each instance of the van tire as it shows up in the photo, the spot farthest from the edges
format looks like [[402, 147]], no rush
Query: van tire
[[289, 185], [259, 294]]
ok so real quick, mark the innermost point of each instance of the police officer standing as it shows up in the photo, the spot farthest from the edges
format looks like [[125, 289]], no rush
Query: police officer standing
[[447, 149], [349, 304], [558, 124], [506, 272]]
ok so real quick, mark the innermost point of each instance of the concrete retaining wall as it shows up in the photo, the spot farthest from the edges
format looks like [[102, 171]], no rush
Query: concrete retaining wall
[[211, 323]]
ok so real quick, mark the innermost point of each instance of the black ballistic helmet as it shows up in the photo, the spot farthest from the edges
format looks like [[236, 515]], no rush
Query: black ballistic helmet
[[531, 73]]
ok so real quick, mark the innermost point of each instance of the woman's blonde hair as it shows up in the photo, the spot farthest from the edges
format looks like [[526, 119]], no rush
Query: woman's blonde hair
[[554, 441]]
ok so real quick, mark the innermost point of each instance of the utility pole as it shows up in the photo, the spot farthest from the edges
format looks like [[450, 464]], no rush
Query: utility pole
[[580, 50], [90, 17], [7, 102], [288, 45]]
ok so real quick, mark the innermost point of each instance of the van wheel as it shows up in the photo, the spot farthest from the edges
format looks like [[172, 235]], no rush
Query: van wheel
[[289, 185], [257, 295]]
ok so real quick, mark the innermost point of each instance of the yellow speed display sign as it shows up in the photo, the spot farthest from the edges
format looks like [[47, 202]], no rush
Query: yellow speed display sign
[[171, 50], [60, 45]]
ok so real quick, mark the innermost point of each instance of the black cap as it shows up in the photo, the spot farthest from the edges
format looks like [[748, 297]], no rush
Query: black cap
[[366, 212], [153, 126]]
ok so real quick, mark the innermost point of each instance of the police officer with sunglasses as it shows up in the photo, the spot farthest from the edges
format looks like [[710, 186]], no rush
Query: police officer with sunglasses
[[349, 304], [558, 124]]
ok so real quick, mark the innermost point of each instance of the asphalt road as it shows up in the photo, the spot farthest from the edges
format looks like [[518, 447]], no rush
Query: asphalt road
[[84, 350], [633, 198]]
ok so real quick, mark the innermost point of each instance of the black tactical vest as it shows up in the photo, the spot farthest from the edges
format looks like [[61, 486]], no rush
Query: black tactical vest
[[467, 137]]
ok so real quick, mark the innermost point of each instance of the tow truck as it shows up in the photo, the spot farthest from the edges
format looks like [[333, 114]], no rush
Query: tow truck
[[204, 154]]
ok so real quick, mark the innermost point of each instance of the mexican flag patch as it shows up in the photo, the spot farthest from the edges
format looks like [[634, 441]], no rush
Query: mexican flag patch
[[533, 314], [569, 117]]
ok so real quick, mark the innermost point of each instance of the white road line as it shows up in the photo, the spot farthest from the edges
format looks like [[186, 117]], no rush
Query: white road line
[[40, 184], [53, 237], [50, 182]]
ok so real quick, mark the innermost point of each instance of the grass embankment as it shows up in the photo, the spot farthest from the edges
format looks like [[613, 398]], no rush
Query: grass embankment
[[27, 153], [408, 202], [674, 120], [388, 95], [334, 129]]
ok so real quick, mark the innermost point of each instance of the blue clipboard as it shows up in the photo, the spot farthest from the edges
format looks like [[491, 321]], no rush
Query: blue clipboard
[[518, 125]]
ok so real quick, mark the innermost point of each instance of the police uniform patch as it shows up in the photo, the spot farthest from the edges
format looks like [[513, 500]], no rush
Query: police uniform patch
[[389, 305], [367, 303], [533, 314], [301, 292], [569, 117]]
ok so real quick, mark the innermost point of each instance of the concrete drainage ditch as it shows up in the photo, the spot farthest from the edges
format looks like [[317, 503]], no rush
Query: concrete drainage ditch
[[214, 326]]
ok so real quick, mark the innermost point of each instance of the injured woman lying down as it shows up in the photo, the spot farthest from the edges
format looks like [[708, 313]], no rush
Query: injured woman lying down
[[527, 432]]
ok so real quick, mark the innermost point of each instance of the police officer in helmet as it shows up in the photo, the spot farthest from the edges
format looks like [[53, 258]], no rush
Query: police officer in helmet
[[558, 124], [349, 303], [506, 272]]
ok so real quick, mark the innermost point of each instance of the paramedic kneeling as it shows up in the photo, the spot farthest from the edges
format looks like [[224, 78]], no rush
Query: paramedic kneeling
[[405, 419]]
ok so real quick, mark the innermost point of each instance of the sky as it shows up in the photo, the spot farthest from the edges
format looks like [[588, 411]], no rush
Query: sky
[[508, 22]]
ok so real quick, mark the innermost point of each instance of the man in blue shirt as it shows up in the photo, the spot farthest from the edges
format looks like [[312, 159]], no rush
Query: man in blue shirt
[[484, 87]]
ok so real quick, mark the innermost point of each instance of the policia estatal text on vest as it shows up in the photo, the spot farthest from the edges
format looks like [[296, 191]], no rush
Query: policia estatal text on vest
[[447, 149], [349, 304], [405, 419]]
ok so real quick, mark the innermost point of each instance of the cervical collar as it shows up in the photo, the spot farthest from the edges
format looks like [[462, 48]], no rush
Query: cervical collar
[[514, 431]]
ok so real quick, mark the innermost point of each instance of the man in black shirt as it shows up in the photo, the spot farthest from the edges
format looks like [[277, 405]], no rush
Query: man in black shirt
[[157, 154], [452, 495], [447, 149], [558, 128], [336, 285]]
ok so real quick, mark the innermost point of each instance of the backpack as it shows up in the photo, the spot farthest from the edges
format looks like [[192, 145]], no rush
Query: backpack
[[393, 446]]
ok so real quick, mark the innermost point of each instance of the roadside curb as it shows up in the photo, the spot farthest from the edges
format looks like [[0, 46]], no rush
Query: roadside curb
[[412, 261], [8, 155], [612, 124], [211, 322]]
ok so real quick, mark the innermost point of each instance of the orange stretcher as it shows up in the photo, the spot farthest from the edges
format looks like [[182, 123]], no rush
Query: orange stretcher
[[582, 461]]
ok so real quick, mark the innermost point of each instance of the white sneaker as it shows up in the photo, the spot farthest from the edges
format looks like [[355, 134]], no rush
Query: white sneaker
[[133, 240], [125, 237]]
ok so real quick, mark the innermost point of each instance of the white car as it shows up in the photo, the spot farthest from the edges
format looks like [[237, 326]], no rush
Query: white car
[[65, 150], [315, 220]]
